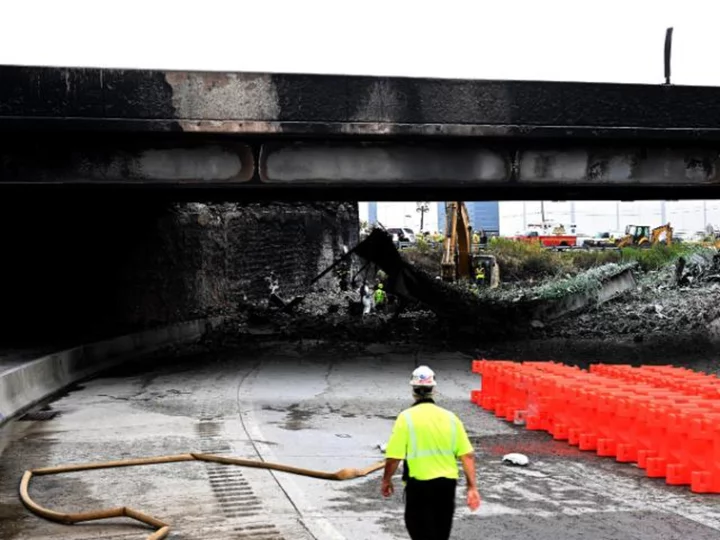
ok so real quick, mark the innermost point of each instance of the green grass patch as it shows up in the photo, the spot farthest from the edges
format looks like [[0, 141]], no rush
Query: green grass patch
[[657, 256], [521, 261]]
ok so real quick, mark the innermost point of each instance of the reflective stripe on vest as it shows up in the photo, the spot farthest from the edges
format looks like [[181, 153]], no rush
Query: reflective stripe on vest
[[414, 453]]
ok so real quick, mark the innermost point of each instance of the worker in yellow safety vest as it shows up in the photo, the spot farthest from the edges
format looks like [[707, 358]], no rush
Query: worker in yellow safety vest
[[480, 275], [430, 440], [380, 295]]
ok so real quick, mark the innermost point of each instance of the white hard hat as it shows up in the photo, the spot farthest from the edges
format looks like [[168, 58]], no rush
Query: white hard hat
[[423, 376], [516, 459]]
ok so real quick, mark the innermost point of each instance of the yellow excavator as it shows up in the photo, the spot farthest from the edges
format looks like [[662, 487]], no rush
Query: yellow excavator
[[642, 236], [459, 261]]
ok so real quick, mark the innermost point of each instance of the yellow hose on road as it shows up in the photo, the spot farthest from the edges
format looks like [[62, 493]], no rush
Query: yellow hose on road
[[162, 528]]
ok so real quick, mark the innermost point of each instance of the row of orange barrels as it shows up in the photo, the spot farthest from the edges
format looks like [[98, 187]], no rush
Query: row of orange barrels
[[664, 418]]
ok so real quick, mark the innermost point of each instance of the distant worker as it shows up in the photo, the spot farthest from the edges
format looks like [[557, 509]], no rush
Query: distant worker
[[366, 299], [430, 440], [380, 295], [480, 275]]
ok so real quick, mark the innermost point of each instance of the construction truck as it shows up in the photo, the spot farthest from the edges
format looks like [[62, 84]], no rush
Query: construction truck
[[642, 236], [459, 260], [548, 235]]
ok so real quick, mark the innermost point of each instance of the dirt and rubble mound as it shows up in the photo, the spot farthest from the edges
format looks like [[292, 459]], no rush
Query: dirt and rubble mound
[[674, 294], [485, 310], [628, 307]]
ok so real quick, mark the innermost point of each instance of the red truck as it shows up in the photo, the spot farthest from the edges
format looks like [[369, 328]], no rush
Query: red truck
[[548, 239]]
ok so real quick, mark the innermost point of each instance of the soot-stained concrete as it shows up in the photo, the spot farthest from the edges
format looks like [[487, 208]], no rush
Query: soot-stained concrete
[[75, 270]]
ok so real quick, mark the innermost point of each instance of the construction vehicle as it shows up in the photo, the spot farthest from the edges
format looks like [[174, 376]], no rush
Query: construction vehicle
[[547, 235], [459, 260], [709, 238], [642, 236], [711, 242]]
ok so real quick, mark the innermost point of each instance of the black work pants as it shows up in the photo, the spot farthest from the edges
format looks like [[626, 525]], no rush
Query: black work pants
[[429, 508]]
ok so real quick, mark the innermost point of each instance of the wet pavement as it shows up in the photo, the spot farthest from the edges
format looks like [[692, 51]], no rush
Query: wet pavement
[[320, 407]]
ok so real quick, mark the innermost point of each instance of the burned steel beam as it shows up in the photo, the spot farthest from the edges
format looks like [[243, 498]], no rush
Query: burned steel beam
[[251, 165], [483, 164], [259, 136], [85, 160]]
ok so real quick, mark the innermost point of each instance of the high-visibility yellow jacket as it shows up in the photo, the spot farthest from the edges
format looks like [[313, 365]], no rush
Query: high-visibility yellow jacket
[[430, 439], [380, 296]]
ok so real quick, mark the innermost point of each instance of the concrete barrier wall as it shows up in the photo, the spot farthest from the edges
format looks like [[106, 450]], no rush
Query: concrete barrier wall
[[26, 385], [611, 287]]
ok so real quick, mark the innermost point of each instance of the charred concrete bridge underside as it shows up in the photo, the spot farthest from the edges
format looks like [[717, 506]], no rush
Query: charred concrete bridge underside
[[278, 136]]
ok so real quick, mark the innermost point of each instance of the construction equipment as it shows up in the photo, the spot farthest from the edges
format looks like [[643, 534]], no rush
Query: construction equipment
[[657, 233], [456, 262], [642, 236], [459, 261], [548, 235], [711, 238]]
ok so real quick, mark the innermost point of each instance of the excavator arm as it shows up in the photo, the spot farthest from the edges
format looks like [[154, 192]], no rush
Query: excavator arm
[[657, 231], [457, 242]]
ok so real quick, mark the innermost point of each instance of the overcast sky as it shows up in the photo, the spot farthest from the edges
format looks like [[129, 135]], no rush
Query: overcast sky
[[603, 41]]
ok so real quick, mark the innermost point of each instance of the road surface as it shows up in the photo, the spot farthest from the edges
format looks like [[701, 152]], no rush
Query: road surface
[[315, 406]]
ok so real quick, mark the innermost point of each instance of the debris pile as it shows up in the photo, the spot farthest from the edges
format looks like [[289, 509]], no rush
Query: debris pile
[[656, 306], [698, 267], [559, 298], [608, 301], [496, 310]]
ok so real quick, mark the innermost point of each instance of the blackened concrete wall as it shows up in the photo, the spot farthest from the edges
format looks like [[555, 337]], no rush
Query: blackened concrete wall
[[76, 269]]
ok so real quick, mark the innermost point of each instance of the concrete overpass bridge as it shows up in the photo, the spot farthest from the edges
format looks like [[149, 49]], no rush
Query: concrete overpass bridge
[[247, 136], [96, 281]]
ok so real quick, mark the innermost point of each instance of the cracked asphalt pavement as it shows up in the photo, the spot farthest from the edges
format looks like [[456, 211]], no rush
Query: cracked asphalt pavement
[[317, 406]]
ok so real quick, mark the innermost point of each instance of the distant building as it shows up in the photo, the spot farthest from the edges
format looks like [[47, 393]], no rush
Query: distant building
[[483, 216], [372, 213]]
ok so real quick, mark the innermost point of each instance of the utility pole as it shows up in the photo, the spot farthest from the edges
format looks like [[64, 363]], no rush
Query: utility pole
[[542, 212], [422, 207], [668, 53]]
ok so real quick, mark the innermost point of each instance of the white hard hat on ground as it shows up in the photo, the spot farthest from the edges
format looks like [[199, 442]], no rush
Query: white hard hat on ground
[[516, 459], [423, 376]]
